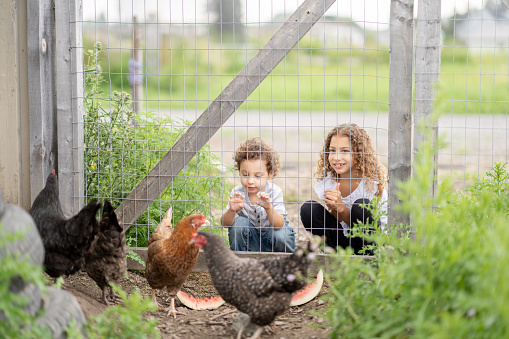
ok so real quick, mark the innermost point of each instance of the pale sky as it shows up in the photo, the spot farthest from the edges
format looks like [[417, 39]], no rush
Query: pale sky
[[195, 11]]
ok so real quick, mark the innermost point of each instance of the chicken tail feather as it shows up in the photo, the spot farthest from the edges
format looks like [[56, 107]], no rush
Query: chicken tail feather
[[164, 228], [84, 226]]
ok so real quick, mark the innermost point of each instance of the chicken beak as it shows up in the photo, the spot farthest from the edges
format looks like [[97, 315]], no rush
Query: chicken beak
[[199, 223], [202, 223]]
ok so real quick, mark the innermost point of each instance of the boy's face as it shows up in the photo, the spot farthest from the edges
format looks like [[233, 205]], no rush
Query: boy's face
[[254, 175], [340, 156]]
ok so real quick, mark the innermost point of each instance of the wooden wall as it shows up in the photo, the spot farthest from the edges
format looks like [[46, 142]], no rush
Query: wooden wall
[[14, 129]]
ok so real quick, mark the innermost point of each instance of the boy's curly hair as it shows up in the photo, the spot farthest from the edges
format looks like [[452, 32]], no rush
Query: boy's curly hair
[[256, 148], [363, 153]]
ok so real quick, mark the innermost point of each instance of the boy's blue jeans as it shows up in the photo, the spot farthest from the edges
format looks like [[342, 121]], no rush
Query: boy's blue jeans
[[244, 236]]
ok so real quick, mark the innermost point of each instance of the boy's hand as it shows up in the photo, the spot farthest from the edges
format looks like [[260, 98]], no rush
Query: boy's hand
[[264, 200], [237, 202]]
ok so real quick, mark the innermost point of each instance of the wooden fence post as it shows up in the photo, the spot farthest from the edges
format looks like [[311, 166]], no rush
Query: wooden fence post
[[55, 61], [41, 91], [427, 72], [400, 102], [69, 103], [135, 69]]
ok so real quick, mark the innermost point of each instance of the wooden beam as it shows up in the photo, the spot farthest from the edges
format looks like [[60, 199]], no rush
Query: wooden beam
[[198, 134], [400, 102]]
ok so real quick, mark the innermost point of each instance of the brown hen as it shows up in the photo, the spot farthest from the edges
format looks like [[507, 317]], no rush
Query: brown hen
[[172, 256], [106, 260]]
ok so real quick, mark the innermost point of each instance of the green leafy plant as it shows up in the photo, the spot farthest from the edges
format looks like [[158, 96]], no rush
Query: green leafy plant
[[122, 322], [496, 180], [122, 147], [14, 321], [116, 322], [447, 281]]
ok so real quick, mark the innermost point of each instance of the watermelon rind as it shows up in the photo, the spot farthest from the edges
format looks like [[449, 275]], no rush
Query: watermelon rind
[[309, 292], [200, 304]]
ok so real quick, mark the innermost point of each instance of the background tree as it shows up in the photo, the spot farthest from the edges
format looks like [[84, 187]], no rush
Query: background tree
[[227, 20]]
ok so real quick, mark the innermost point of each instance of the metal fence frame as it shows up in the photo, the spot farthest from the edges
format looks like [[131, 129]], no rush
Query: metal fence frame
[[55, 81]]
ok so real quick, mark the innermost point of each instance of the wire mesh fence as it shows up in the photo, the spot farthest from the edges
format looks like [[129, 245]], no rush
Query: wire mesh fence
[[153, 68]]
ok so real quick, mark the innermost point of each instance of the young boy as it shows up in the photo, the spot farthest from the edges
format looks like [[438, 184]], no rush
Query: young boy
[[255, 215]]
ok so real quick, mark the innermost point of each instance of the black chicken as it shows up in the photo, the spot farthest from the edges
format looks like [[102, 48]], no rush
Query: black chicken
[[106, 259], [262, 289], [65, 240]]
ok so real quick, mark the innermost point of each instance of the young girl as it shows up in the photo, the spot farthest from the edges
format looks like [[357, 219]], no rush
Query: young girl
[[348, 174]]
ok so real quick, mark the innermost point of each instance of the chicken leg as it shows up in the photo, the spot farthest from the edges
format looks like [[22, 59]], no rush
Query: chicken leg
[[257, 333], [241, 329], [172, 310], [104, 300], [154, 300]]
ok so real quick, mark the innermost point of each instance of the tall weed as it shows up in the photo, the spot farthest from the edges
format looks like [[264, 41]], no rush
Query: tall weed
[[130, 321]]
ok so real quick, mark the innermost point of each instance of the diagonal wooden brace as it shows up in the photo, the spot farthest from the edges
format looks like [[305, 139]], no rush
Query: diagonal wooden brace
[[239, 89]]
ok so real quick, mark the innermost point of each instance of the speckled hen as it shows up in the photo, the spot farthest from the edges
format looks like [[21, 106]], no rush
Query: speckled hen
[[171, 256], [106, 260], [262, 289]]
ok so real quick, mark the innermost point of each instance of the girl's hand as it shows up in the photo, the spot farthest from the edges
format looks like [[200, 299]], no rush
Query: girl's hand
[[237, 202], [264, 200], [332, 198]]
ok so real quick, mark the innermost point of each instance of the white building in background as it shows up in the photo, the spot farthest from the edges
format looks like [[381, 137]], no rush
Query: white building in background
[[486, 27], [330, 29]]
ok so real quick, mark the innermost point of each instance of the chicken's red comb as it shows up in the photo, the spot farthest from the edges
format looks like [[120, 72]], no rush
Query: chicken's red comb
[[53, 172]]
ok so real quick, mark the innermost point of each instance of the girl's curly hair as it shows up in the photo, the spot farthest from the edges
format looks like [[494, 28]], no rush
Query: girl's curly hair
[[363, 153], [256, 148]]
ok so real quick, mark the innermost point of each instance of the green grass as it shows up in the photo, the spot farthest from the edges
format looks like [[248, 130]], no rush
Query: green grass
[[310, 78]]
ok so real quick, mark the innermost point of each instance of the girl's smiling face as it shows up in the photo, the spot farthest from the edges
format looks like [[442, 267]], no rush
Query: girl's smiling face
[[254, 175], [340, 156]]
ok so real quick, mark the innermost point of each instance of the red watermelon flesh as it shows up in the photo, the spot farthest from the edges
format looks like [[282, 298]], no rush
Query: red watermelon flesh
[[200, 304], [309, 292]]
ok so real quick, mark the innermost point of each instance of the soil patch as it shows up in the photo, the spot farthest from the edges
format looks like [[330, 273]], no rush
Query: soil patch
[[298, 322]]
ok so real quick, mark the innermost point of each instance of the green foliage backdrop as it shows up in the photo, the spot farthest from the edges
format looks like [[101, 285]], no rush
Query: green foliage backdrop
[[122, 146]]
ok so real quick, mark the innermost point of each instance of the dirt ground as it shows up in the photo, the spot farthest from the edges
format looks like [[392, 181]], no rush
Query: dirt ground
[[297, 322]]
